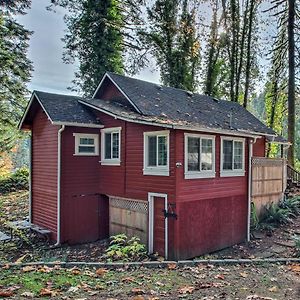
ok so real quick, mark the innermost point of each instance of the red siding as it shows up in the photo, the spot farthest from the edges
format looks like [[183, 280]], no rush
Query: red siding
[[80, 190], [44, 172], [259, 148], [212, 213]]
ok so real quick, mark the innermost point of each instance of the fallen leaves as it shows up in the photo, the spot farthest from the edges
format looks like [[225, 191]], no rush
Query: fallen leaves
[[172, 266], [295, 268], [28, 269], [6, 293], [244, 274], [101, 271], [186, 290]]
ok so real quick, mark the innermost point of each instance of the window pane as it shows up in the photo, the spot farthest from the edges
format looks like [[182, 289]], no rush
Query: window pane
[[115, 146], [152, 151], [227, 155], [206, 154], [193, 154], [238, 155], [107, 138], [162, 150], [86, 149], [86, 141]]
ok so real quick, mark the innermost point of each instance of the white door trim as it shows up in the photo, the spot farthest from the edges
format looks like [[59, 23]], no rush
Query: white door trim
[[151, 221]]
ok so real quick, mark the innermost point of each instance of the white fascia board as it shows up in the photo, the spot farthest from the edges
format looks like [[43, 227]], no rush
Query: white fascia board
[[78, 124], [209, 130], [28, 107], [120, 90]]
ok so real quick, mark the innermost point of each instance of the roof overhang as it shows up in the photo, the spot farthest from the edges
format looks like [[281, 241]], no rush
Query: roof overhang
[[34, 96], [174, 126]]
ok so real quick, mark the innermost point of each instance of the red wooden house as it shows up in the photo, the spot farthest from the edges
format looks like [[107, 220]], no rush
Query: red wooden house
[[162, 163]]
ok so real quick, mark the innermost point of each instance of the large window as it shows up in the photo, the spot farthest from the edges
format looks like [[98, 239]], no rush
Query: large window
[[156, 153], [199, 156], [111, 146], [232, 156], [86, 144]]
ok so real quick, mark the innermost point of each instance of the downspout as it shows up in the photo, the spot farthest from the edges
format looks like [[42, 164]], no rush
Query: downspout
[[250, 154], [58, 239]]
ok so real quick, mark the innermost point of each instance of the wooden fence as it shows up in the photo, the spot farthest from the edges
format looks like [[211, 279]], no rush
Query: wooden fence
[[268, 182], [128, 216]]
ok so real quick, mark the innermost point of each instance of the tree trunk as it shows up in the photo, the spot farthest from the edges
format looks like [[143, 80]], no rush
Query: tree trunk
[[248, 63], [291, 81]]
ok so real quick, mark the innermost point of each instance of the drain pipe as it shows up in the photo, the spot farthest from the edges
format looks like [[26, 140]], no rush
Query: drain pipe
[[250, 153], [58, 239]]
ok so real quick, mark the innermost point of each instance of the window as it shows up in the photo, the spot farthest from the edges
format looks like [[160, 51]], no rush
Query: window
[[86, 144], [156, 153], [199, 156], [232, 156], [111, 146]]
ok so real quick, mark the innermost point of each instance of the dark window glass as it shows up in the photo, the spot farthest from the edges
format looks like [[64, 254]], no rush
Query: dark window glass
[[86, 141], [162, 150], [86, 149], [227, 154], [238, 155], [107, 150], [206, 154], [115, 147], [193, 154], [152, 151]]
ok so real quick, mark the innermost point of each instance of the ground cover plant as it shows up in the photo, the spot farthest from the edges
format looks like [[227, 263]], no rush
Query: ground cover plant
[[204, 281]]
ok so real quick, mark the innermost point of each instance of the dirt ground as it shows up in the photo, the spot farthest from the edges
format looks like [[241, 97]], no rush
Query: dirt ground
[[14, 206]]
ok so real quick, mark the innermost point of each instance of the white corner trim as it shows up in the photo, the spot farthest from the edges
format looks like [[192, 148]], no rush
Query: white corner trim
[[156, 170], [233, 172], [110, 161], [201, 173], [80, 135], [120, 90]]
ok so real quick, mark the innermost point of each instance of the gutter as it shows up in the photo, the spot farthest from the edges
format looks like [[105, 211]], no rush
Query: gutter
[[58, 227], [250, 154]]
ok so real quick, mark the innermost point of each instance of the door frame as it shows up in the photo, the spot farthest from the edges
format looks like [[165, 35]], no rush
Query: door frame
[[151, 222]]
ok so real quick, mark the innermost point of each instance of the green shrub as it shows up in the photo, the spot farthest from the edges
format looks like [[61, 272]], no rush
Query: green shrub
[[18, 180], [122, 248], [277, 215], [292, 204]]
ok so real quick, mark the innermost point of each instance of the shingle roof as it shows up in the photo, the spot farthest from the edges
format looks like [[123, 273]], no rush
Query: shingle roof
[[66, 108], [182, 107]]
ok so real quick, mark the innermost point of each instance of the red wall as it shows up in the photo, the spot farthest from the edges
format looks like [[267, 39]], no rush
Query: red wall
[[79, 190], [212, 212], [44, 172], [259, 147]]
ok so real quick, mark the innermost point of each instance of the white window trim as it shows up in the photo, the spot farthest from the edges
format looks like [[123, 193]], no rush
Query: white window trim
[[110, 161], [231, 173], [203, 173], [78, 136], [158, 170]]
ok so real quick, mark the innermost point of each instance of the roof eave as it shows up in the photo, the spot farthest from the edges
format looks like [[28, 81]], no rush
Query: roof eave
[[28, 108], [74, 124]]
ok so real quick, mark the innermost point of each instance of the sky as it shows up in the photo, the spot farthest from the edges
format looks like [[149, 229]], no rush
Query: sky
[[46, 50]]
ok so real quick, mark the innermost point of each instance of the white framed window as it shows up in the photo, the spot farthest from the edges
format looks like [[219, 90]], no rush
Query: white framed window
[[156, 153], [199, 156], [86, 144], [232, 156], [111, 146]]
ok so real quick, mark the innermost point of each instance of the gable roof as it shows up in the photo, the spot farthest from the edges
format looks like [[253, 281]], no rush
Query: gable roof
[[63, 110], [180, 107]]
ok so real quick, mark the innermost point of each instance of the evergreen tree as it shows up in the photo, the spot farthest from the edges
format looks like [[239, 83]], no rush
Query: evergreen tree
[[174, 42], [15, 69], [99, 33]]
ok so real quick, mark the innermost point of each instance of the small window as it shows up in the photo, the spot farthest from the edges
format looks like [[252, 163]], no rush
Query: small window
[[232, 157], [199, 156], [156, 153], [86, 144], [111, 146]]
